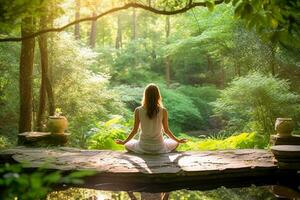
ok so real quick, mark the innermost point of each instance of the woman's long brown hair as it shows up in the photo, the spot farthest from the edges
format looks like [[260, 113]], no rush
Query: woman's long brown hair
[[152, 100]]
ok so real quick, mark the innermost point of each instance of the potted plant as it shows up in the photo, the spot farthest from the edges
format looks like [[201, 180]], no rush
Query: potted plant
[[57, 123], [284, 126]]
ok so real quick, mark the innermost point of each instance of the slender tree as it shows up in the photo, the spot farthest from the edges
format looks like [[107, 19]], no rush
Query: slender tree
[[46, 86], [25, 79], [119, 33], [134, 21], [168, 61], [93, 32], [49, 77], [77, 17]]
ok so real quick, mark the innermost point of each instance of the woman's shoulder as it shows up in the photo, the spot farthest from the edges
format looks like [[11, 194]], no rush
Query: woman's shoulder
[[162, 108], [139, 108]]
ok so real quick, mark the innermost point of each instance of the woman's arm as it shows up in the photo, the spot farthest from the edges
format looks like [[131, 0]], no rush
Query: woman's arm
[[167, 130], [134, 129]]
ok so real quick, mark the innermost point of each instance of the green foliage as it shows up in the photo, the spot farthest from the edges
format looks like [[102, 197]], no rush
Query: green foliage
[[183, 114], [256, 101], [131, 96], [9, 93], [131, 64], [201, 97], [83, 96], [3, 142], [12, 11], [276, 21], [16, 182], [239, 141], [102, 136]]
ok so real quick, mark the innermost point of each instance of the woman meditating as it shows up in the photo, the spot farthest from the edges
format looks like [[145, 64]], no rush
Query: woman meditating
[[152, 117]]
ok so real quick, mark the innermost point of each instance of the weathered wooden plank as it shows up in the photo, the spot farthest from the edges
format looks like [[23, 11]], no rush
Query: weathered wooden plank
[[120, 162], [207, 168]]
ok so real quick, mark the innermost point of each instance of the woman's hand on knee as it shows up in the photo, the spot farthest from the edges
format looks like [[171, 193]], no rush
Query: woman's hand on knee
[[119, 141]]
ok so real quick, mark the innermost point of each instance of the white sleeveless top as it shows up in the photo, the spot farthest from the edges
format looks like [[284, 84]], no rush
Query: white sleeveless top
[[151, 136], [151, 129]]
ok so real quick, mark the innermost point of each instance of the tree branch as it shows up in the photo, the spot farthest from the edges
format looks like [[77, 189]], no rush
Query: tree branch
[[124, 7]]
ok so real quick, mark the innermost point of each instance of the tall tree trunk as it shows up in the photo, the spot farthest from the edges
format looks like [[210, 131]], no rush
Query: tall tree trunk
[[25, 79], [119, 33], [49, 77], [45, 87], [51, 102], [43, 45], [77, 17], [134, 20], [168, 61], [93, 32]]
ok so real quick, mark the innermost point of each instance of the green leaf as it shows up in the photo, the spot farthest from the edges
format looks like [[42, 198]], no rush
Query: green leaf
[[274, 23], [227, 1], [239, 9], [210, 5], [52, 178], [80, 174], [234, 2]]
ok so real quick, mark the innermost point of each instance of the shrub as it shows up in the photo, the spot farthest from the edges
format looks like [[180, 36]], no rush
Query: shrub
[[3, 142], [201, 97], [18, 183], [131, 96], [239, 141], [255, 101], [83, 96], [183, 114], [103, 135]]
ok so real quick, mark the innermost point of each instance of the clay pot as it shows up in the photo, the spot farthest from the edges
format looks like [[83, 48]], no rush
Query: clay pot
[[57, 124], [284, 126]]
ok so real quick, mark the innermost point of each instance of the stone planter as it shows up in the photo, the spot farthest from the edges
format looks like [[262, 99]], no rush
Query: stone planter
[[57, 124], [284, 126]]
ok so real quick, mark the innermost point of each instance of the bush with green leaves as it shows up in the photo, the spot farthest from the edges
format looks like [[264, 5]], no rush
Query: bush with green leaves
[[9, 92], [18, 183], [201, 97], [83, 95], [183, 114], [4, 143], [253, 102], [103, 135], [130, 95], [237, 141], [130, 64]]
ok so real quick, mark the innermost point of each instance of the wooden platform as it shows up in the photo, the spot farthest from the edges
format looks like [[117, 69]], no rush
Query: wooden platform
[[121, 169]]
